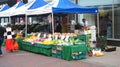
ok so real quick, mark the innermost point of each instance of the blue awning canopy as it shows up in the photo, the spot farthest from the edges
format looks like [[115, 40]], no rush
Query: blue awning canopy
[[30, 5], [65, 6], [20, 4], [61, 6], [37, 4], [8, 12], [5, 7]]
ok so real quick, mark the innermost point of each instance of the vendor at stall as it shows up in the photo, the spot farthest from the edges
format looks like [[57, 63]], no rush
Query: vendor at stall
[[58, 27], [84, 23]]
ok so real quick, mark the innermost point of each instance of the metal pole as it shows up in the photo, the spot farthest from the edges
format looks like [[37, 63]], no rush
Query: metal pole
[[25, 25], [9, 20], [113, 19], [76, 15], [98, 24], [52, 25]]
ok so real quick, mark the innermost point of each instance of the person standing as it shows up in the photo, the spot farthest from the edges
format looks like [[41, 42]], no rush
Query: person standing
[[58, 27], [2, 30], [9, 38], [84, 23]]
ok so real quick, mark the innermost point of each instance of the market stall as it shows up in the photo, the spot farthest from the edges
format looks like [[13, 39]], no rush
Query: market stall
[[71, 47], [65, 47], [21, 12], [58, 6]]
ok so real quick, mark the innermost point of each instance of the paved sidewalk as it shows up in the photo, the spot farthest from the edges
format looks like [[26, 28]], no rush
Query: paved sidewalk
[[111, 59], [28, 59]]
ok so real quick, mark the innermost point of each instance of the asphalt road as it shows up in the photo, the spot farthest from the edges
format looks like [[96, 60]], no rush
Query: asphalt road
[[27, 59]]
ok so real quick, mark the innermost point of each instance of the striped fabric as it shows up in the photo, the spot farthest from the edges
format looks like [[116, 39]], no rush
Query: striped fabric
[[9, 34]]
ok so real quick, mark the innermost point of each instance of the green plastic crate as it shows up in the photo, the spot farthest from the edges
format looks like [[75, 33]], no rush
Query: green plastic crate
[[78, 48], [41, 49], [68, 50]]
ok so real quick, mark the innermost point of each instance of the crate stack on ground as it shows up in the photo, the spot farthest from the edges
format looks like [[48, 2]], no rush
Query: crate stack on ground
[[57, 51], [74, 52]]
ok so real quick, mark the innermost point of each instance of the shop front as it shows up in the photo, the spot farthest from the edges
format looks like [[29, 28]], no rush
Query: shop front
[[107, 21]]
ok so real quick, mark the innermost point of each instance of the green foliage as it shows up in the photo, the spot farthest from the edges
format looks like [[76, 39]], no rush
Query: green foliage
[[102, 42]]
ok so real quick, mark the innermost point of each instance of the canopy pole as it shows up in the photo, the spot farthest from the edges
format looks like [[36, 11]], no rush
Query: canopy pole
[[98, 24], [52, 25], [9, 20], [25, 25]]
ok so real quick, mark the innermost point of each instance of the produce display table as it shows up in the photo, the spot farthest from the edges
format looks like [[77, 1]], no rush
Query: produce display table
[[35, 48], [70, 52]]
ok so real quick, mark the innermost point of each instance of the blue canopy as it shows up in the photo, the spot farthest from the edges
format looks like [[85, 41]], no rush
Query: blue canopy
[[5, 7], [8, 12], [38, 3], [65, 6], [61, 6], [20, 4]]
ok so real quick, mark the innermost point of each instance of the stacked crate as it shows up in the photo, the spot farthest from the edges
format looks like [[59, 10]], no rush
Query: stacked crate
[[74, 52], [57, 51], [78, 51], [82, 38]]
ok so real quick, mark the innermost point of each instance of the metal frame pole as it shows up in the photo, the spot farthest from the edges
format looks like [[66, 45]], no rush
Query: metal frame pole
[[9, 19], [98, 24], [25, 25], [52, 25], [113, 19]]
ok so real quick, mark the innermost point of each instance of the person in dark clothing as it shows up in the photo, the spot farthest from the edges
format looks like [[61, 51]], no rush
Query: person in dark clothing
[[2, 30], [58, 27]]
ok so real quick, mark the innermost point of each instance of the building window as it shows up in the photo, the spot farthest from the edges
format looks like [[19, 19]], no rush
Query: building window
[[117, 22], [105, 21]]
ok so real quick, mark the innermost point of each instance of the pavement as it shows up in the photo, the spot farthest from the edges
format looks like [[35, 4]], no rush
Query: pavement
[[27, 59], [111, 59]]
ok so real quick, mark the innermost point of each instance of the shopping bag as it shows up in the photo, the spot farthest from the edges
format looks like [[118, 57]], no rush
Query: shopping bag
[[15, 44], [3, 44]]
